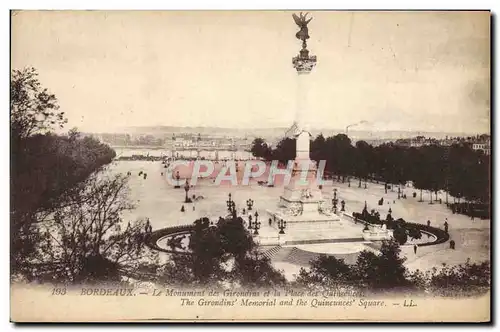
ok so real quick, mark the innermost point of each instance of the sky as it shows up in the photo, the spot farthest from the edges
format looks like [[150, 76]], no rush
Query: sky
[[416, 71]]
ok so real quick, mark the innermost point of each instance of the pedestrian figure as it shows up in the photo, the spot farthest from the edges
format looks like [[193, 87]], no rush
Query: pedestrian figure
[[161, 173], [193, 208], [452, 244], [415, 249], [182, 209], [446, 225], [270, 221], [428, 223], [243, 211], [148, 227], [145, 176]]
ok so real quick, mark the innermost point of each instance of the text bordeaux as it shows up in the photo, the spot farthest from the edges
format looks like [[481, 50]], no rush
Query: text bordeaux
[[107, 291]]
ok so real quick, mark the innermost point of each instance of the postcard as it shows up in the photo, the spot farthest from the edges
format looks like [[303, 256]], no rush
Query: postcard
[[250, 166]]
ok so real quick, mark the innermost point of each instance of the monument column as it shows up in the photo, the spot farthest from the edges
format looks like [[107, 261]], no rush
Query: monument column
[[303, 181], [303, 63], [302, 142], [301, 204]]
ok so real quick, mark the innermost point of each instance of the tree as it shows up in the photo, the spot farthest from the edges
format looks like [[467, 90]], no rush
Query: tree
[[256, 271], [318, 148], [340, 154], [384, 271], [221, 253], [464, 279], [260, 149], [433, 155], [86, 240], [285, 150], [234, 239], [33, 108], [328, 271], [400, 234], [44, 166], [413, 232], [363, 160]]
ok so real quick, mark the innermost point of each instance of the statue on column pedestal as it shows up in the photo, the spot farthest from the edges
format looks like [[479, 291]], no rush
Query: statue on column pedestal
[[302, 22]]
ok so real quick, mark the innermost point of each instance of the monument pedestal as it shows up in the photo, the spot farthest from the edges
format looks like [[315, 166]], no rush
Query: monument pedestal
[[303, 208]]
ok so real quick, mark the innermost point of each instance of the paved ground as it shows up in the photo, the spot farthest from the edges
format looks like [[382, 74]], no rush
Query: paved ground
[[161, 203]]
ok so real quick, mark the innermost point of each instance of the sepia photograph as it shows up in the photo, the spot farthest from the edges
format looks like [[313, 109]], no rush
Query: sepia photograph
[[250, 166]]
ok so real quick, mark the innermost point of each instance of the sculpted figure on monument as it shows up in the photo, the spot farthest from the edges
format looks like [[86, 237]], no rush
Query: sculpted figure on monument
[[306, 194], [294, 209], [302, 22]]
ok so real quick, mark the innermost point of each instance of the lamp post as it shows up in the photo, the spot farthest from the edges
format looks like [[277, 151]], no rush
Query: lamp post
[[334, 200], [186, 189], [256, 224], [229, 203], [249, 204], [282, 226]]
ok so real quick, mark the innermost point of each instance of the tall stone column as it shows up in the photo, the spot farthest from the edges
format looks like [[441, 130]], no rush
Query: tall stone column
[[301, 186], [303, 63], [302, 140]]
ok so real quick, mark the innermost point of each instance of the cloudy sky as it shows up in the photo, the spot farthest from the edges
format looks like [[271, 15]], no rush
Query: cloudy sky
[[422, 71]]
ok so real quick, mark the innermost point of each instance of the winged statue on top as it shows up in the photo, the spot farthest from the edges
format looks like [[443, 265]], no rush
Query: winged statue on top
[[302, 22]]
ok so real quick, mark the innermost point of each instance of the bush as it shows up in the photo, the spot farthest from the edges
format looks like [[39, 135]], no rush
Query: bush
[[413, 232], [400, 235]]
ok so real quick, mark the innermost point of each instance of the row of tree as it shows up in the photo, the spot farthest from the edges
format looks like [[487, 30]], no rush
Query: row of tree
[[386, 272], [457, 169]]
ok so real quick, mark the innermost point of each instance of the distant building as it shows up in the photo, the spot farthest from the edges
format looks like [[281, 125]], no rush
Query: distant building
[[477, 143], [483, 146], [416, 142]]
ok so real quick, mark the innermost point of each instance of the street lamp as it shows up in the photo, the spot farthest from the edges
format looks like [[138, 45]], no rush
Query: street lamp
[[249, 204], [334, 200], [186, 189], [282, 226], [229, 203], [256, 224]]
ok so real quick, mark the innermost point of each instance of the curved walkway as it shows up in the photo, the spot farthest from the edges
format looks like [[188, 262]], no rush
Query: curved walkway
[[440, 235], [152, 240]]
